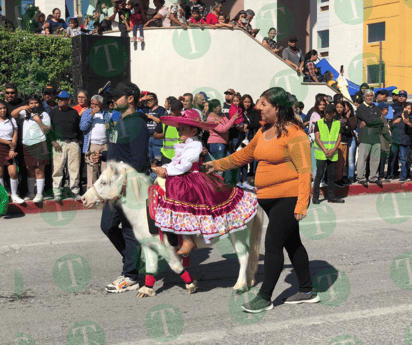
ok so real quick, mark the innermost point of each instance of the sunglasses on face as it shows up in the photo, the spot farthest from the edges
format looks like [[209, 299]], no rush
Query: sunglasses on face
[[11, 93]]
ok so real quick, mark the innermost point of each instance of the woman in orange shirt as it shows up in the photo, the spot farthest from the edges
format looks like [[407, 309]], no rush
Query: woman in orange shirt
[[283, 180]]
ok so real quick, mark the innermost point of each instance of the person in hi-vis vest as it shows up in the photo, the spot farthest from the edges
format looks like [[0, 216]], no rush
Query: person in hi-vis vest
[[169, 134], [327, 140]]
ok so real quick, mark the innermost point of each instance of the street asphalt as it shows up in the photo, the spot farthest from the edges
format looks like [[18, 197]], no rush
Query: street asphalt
[[54, 268]]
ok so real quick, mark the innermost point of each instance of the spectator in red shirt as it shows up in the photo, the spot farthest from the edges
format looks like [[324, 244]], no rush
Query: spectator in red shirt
[[310, 69], [83, 99], [196, 19], [213, 17]]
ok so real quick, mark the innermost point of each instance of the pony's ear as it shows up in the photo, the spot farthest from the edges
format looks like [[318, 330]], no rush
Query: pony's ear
[[114, 169]]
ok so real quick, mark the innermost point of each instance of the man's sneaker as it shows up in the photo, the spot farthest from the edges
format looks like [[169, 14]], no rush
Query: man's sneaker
[[38, 198], [123, 285], [323, 184], [17, 200], [29, 197], [134, 39], [302, 297], [402, 180], [257, 305], [58, 197], [388, 179], [239, 185], [117, 281], [141, 39], [363, 182], [248, 186]]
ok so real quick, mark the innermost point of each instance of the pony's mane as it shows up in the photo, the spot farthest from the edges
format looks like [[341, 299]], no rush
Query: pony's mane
[[119, 165]]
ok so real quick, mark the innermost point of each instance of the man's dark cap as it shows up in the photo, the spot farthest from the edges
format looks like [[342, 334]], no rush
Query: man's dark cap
[[125, 89], [383, 92], [293, 39], [383, 105], [330, 108], [176, 105]]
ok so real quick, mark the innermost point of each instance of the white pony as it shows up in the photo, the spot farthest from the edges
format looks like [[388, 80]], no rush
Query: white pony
[[121, 184]]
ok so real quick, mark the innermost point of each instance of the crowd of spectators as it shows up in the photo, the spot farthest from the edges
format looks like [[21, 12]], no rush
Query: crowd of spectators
[[126, 16], [50, 139]]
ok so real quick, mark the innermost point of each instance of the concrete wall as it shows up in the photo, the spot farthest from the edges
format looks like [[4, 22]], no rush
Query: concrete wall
[[47, 6], [175, 61], [346, 38]]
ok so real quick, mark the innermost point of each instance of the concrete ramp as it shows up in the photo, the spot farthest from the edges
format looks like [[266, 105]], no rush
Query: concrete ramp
[[173, 61]]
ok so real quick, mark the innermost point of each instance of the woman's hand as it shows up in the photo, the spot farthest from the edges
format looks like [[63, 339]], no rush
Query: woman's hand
[[160, 171], [208, 166], [299, 216], [235, 116]]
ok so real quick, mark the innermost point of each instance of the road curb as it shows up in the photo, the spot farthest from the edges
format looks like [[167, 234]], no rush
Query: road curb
[[371, 188], [74, 205], [46, 206]]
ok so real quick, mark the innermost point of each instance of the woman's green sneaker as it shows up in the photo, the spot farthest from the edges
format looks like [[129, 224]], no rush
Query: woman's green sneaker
[[302, 297], [257, 305]]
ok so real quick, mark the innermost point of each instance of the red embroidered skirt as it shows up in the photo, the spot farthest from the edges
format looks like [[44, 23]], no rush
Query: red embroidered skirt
[[198, 203]]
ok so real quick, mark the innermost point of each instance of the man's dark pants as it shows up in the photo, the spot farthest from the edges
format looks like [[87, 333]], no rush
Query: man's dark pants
[[331, 167], [122, 237]]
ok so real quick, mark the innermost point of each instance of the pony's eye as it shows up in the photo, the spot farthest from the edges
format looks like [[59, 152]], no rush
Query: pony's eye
[[103, 183]]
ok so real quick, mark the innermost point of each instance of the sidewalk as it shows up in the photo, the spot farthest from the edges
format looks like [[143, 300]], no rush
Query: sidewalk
[[73, 205]]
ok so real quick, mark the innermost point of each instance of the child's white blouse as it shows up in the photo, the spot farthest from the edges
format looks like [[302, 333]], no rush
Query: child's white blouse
[[186, 154]]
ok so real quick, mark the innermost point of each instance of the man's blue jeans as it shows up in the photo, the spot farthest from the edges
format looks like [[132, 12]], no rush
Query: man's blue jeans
[[405, 167]]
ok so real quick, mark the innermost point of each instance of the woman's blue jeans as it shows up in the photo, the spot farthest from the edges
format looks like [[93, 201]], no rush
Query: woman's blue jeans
[[351, 157], [219, 151]]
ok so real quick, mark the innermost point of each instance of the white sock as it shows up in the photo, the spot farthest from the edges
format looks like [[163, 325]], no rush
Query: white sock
[[2, 181], [40, 185], [14, 184], [30, 184]]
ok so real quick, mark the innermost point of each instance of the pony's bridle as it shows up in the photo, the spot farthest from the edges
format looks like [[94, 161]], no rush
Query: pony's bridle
[[122, 191]]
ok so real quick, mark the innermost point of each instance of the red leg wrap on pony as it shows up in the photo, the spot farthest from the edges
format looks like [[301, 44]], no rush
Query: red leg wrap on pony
[[150, 281], [186, 277]]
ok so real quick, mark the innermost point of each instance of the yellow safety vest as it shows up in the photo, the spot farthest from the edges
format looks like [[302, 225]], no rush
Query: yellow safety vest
[[328, 138], [171, 138]]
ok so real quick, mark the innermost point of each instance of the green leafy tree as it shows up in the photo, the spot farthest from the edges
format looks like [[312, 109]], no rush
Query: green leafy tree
[[33, 61]]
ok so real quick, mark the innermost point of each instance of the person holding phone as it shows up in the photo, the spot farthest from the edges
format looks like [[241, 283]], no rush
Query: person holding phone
[[93, 125], [401, 140], [36, 126]]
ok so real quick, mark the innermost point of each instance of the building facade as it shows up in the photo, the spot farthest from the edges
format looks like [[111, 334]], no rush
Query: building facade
[[368, 37]]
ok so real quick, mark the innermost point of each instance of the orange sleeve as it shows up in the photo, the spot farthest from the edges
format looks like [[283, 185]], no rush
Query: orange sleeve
[[239, 158], [299, 153]]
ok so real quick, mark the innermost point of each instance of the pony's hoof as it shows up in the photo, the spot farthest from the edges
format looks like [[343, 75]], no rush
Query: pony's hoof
[[240, 290], [251, 282], [145, 291], [192, 287]]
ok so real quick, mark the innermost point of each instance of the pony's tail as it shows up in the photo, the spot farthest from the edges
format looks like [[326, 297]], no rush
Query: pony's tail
[[255, 238]]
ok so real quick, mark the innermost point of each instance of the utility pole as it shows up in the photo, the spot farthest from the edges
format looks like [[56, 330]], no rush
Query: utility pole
[[380, 65]]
